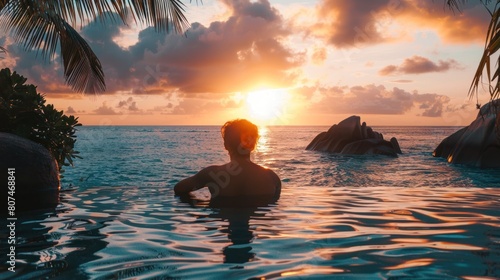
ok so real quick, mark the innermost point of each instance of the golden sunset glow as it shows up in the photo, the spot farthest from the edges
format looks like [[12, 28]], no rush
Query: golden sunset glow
[[267, 105], [304, 63]]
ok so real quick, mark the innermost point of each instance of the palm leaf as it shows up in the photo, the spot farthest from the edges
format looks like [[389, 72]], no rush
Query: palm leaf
[[158, 13], [42, 25], [492, 44], [78, 58], [43, 32], [455, 4]]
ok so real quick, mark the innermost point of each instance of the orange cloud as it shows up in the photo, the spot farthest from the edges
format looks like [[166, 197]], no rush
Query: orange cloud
[[347, 24], [373, 99], [468, 25], [318, 55], [70, 110], [129, 104], [240, 53], [419, 65], [104, 109]]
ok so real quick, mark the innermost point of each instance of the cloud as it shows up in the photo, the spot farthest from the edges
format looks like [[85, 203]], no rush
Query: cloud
[[402, 81], [387, 70], [128, 106], [372, 99], [351, 23], [432, 104], [419, 65], [133, 107], [244, 51], [318, 55], [105, 110], [193, 106], [348, 24], [123, 103], [70, 110], [204, 103], [227, 56], [248, 48], [465, 26], [232, 55], [47, 75]]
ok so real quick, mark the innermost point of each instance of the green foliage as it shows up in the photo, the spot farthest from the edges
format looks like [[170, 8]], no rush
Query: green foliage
[[23, 112]]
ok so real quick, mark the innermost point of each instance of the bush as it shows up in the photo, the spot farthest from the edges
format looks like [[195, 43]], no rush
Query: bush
[[23, 112]]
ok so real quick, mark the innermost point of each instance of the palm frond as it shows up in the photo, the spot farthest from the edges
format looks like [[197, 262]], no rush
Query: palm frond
[[455, 4], [3, 3], [2, 51], [492, 44], [42, 32], [158, 13], [82, 68]]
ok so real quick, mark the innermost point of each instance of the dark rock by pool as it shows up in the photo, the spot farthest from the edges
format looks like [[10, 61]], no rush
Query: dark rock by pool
[[351, 137], [35, 176], [477, 144]]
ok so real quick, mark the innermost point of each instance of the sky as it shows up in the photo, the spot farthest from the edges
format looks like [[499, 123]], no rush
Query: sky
[[279, 62]]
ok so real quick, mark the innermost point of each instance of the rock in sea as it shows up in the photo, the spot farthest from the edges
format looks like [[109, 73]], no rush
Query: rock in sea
[[477, 144], [35, 176], [351, 137]]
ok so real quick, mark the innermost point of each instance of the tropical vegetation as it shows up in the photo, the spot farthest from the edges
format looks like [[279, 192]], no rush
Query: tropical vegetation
[[23, 112]]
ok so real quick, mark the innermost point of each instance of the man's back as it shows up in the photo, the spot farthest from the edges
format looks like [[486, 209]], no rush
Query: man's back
[[242, 178]]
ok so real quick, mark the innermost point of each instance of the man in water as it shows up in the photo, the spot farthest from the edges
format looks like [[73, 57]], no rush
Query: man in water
[[240, 179]]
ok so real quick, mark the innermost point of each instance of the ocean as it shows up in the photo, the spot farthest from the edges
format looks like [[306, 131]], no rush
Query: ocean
[[339, 217]]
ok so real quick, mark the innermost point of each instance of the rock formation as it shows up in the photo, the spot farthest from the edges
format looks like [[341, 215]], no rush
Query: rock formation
[[351, 137], [36, 175], [477, 144]]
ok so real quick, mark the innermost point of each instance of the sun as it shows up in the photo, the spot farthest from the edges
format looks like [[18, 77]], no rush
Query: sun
[[267, 105]]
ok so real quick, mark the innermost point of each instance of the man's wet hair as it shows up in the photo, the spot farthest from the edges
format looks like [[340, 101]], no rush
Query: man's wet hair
[[240, 136]]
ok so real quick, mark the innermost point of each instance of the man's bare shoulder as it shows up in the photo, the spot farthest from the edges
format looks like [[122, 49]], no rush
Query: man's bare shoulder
[[269, 172], [211, 168], [276, 179], [208, 171]]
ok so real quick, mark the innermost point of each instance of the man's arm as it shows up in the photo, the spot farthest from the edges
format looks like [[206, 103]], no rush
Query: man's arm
[[195, 182]]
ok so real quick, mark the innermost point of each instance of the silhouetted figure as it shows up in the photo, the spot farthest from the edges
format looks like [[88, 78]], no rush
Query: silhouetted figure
[[240, 181]]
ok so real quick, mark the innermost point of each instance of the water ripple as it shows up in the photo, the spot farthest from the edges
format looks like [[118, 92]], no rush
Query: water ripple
[[413, 217]]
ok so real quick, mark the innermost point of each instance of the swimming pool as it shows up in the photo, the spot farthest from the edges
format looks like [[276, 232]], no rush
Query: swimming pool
[[364, 217]]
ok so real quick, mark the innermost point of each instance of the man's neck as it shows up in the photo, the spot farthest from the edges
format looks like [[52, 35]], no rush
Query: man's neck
[[239, 158]]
